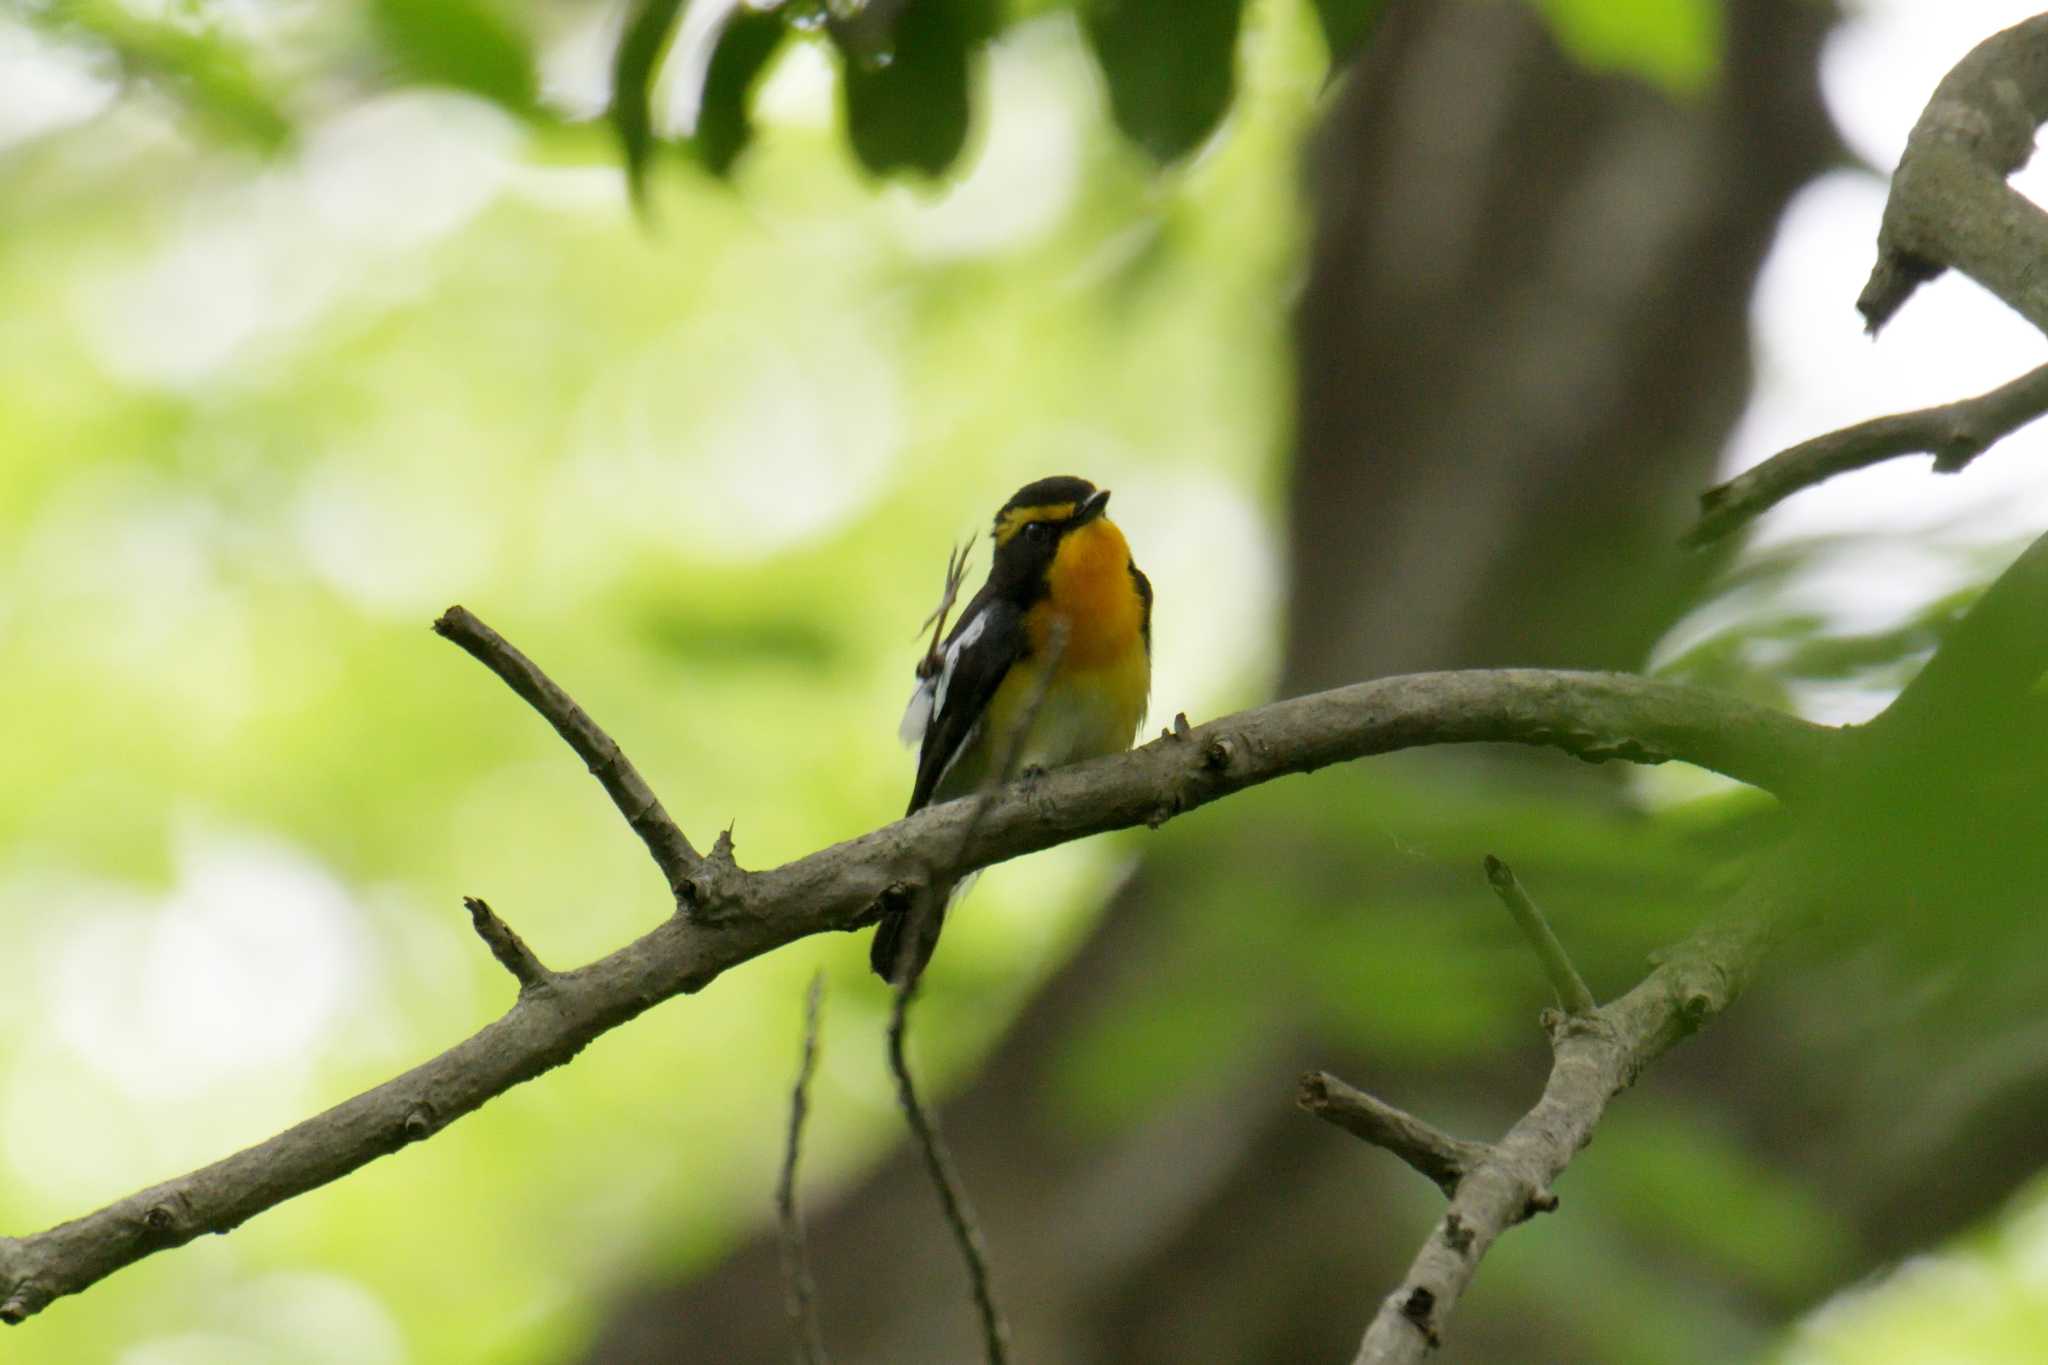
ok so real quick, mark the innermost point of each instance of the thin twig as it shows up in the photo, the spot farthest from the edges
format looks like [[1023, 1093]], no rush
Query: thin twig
[[909, 969], [622, 781], [1953, 433], [510, 950], [938, 1163], [799, 1289], [956, 574], [1431, 1151], [1557, 965]]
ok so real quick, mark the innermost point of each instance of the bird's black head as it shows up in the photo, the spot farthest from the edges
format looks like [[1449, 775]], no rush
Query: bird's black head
[[1030, 526]]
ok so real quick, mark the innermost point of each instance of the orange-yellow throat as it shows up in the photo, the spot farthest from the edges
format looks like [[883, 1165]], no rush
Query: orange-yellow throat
[[1090, 591]]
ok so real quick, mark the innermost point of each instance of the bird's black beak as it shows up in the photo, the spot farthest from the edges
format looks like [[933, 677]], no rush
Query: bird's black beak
[[1091, 507]]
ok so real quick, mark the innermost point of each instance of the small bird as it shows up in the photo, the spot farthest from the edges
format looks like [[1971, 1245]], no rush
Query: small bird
[[1059, 640]]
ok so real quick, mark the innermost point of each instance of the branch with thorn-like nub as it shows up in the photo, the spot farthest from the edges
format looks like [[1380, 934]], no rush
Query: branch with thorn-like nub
[[1953, 433], [1949, 207], [737, 915], [510, 950], [1594, 1056], [799, 1289], [1433, 1153], [622, 781], [1557, 964], [1949, 204]]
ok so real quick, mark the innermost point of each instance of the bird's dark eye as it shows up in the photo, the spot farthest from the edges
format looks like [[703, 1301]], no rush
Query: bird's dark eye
[[1036, 529]]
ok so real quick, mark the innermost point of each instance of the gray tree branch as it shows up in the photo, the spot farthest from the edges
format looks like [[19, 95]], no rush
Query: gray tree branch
[[726, 916], [1949, 207], [1429, 1150], [1953, 433], [622, 781], [506, 946], [1571, 988], [1593, 1058]]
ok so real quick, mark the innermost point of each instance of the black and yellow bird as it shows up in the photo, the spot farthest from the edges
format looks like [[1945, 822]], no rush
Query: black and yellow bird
[[1050, 663]]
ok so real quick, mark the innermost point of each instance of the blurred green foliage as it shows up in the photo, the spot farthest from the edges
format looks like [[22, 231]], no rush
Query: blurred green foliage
[[1978, 1302]]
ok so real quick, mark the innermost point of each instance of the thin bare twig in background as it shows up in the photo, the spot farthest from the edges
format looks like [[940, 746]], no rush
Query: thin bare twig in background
[[938, 1163], [1953, 433], [1428, 1149], [799, 1289], [1557, 965], [930, 900]]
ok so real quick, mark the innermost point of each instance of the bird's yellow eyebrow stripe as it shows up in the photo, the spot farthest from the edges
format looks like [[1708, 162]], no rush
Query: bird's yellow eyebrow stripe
[[1013, 520]]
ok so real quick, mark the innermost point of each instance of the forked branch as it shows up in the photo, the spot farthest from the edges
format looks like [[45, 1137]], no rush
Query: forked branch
[[1949, 208], [1595, 1055]]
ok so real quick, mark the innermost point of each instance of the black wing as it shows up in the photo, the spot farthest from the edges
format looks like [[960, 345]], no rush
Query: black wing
[[979, 652], [1144, 587]]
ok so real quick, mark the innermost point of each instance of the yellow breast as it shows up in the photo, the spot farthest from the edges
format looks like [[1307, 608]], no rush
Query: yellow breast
[[1090, 592]]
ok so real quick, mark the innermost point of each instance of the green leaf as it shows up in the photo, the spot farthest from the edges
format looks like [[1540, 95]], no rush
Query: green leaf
[[1672, 43], [749, 42], [465, 44], [646, 38], [1346, 24], [1170, 65], [906, 93]]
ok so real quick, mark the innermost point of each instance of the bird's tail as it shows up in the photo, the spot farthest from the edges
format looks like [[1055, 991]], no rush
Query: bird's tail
[[892, 955]]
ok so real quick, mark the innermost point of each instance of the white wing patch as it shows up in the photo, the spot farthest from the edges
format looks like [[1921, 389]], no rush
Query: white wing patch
[[961, 644], [928, 699], [917, 717]]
